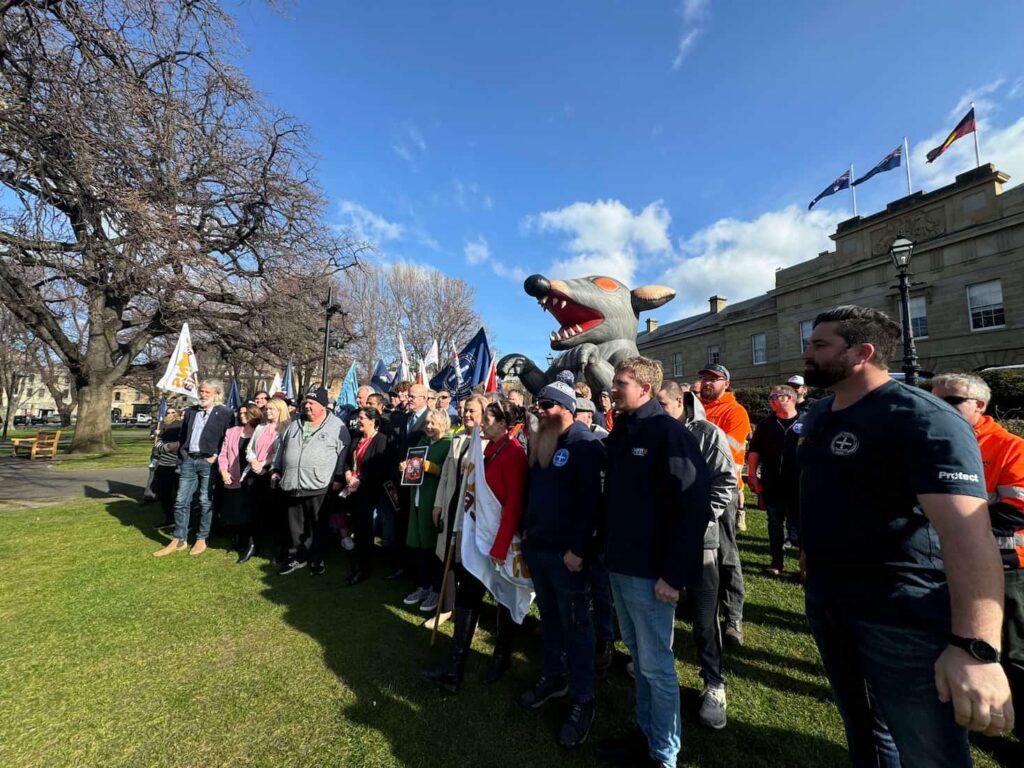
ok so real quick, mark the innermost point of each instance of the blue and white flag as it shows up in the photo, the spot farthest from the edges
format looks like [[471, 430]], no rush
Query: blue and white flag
[[349, 388], [287, 387], [843, 182], [381, 378], [161, 414], [473, 367], [234, 401], [890, 161]]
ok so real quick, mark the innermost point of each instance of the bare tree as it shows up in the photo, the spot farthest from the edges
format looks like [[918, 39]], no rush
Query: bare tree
[[152, 186]]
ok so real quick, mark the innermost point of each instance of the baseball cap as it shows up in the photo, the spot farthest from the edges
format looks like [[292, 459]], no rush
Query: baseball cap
[[717, 370], [796, 381], [320, 395]]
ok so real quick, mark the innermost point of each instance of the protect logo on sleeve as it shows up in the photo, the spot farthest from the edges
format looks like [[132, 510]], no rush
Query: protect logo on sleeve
[[954, 476]]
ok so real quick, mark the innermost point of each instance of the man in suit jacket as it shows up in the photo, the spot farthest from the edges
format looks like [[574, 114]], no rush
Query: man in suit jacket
[[202, 434], [408, 425]]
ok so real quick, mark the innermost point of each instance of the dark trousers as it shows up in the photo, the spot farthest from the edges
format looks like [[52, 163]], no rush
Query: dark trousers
[[428, 569], [776, 512], [601, 599], [362, 528], [563, 597], [1013, 644], [469, 590], [307, 526], [165, 486], [730, 573], [263, 501], [707, 632]]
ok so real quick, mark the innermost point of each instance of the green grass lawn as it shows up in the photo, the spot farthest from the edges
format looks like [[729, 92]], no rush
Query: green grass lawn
[[113, 658], [131, 448]]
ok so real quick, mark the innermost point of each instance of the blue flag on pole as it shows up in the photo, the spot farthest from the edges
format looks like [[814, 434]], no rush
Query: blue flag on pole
[[381, 378], [890, 161], [234, 401], [286, 386], [349, 387], [161, 414], [474, 364], [843, 182]]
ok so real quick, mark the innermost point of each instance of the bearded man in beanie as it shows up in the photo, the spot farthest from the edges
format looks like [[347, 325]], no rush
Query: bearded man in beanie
[[566, 461], [312, 456]]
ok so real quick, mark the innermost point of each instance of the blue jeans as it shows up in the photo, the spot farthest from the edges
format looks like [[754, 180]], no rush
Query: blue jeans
[[647, 625], [563, 597], [883, 681], [194, 474]]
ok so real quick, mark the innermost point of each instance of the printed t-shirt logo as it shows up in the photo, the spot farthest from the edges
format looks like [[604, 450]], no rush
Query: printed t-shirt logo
[[561, 457], [639, 451], [958, 476], [845, 444]]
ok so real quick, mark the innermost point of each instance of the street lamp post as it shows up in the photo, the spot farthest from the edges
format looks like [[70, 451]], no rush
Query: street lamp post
[[901, 250], [331, 310]]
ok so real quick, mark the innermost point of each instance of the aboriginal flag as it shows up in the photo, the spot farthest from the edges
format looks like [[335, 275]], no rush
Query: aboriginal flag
[[964, 127]]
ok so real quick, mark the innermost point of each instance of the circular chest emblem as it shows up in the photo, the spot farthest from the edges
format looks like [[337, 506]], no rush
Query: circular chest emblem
[[845, 444], [561, 457]]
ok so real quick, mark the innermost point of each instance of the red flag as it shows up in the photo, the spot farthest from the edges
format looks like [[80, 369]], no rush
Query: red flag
[[492, 377], [964, 127]]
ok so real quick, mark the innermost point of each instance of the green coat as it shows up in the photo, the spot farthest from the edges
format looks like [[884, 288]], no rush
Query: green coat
[[422, 533]]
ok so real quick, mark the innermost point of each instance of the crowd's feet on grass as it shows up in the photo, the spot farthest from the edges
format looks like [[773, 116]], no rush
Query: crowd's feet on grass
[[175, 545]]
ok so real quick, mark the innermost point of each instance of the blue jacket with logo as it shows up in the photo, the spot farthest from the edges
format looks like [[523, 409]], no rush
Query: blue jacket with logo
[[657, 498], [564, 498]]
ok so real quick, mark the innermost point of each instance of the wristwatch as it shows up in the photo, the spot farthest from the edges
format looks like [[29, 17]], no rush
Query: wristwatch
[[979, 649]]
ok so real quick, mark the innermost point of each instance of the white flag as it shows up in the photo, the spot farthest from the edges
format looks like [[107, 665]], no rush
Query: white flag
[[433, 357], [404, 370], [457, 365], [510, 583], [182, 374], [275, 385]]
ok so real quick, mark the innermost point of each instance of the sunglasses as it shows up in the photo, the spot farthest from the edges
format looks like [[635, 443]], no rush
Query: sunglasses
[[777, 397], [956, 399], [546, 405]]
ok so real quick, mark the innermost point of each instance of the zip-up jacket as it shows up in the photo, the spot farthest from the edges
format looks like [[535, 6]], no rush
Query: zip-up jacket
[[731, 417], [564, 498], [657, 498], [715, 450], [309, 466], [1002, 454]]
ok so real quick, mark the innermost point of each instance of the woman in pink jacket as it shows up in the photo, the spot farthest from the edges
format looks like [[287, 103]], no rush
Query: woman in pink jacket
[[263, 502], [235, 507]]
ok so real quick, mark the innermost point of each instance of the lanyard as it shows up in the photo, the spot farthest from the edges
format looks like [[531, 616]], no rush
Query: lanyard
[[363, 445]]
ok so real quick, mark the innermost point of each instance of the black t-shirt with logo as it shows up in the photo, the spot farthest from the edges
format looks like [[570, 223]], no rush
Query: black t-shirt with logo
[[870, 549]]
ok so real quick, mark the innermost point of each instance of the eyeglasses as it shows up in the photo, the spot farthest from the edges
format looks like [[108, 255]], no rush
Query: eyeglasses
[[955, 400], [777, 397], [546, 405]]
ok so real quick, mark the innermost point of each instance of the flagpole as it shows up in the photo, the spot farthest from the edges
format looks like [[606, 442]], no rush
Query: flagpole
[[853, 191], [906, 162], [977, 147]]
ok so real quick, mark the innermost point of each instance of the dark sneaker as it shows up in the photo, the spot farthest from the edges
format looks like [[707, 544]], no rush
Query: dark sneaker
[[603, 656], [544, 689], [317, 569], [575, 730], [630, 749], [734, 634], [291, 566]]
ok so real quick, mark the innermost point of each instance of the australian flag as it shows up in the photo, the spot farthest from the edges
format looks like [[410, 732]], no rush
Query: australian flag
[[890, 161], [843, 182], [381, 378], [474, 364]]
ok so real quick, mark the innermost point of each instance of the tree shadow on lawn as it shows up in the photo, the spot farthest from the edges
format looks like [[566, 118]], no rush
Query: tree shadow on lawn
[[372, 646], [145, 518]]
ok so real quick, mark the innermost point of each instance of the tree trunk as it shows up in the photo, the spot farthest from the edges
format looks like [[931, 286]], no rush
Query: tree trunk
[[92, 433]]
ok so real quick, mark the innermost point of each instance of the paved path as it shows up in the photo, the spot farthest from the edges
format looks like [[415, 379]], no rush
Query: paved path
[[33, 482]]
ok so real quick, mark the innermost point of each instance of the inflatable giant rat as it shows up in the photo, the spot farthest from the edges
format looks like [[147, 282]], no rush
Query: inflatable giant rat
[[597, 319]]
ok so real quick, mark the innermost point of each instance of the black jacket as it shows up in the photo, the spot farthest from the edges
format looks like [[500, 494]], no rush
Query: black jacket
[[657, 498], [563, 499], [221, 417], [373, 471]]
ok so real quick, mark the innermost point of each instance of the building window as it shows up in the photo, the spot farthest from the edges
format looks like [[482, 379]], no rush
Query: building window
[[677, 363], [713, 354], [985, 305], [759, 347], [919, 317], [117, 397], [806, 326]]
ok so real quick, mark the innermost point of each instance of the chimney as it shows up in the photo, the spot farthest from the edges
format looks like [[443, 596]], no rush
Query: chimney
[[717, 303], [652, 325]]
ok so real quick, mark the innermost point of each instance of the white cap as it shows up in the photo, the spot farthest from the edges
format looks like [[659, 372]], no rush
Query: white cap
[[796, 381]]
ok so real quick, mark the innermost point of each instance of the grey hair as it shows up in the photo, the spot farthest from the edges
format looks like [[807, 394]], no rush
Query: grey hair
[[217, 387], [973, 386]]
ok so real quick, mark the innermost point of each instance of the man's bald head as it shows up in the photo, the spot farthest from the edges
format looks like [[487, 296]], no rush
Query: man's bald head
[[418, 397], [362, 393]]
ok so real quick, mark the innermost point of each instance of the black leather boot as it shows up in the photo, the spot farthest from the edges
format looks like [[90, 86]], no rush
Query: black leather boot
[[501, 659], [449, 673], [245, 554]]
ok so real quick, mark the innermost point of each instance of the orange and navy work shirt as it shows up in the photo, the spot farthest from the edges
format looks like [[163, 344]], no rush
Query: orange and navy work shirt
[[732, 418], [1002, 455]]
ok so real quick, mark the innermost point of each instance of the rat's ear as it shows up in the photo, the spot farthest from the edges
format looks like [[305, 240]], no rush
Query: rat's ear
[[651, 297]]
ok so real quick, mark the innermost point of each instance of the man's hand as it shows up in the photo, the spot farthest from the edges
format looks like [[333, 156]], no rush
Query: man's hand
[[572, 561], [665, 593], [754, 483], [979, 691], [337, 485], [211, 459]]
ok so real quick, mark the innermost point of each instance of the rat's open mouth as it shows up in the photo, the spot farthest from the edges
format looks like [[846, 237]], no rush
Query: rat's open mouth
[[573, 318]]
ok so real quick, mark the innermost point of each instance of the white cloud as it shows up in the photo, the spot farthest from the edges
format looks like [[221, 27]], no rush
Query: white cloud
[[467, 194], [477, 251], [515, 274], [1017, 90], [686, 43], [410, 145], [606, 237], [737, 259], [366, 225], [694, 10]]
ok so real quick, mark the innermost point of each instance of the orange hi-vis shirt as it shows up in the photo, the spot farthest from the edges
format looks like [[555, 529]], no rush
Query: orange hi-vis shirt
[[1002, 454], [732, 418]]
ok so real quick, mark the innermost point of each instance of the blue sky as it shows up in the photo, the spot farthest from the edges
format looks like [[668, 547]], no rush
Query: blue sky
[[657, 141]]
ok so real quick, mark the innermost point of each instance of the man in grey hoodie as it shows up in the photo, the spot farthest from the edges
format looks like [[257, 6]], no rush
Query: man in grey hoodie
[[707, 633], [312, 456]]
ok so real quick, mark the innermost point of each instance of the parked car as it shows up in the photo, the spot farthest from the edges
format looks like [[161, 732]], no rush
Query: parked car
[[143, 418], [21, 421]]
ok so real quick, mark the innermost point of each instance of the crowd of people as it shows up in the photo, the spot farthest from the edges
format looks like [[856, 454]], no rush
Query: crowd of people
[[906, 507]]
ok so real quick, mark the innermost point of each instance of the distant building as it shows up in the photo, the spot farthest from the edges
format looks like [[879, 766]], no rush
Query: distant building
[[33, 399], [967, 296]]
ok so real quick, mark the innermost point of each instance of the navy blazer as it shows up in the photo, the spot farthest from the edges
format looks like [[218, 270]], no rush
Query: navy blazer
[[221, 417]]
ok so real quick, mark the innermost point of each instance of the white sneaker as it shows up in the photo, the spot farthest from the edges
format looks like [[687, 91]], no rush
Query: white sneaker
[[347, 544], [712, 708], [416, 597], [430, 604]]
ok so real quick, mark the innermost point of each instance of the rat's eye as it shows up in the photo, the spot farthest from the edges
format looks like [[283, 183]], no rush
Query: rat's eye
[[606, 284]]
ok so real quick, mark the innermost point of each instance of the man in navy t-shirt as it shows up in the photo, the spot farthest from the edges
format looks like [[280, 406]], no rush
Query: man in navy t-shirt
[[904, 583]]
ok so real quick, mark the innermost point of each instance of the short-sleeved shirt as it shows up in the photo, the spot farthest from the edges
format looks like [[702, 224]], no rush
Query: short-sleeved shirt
[[870, 549]]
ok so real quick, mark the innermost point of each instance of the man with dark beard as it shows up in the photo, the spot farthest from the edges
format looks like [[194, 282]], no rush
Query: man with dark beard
[[904, 584], [566, 461]]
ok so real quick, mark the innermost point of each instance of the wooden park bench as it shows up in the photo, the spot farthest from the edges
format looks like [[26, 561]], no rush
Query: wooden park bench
[[44, 444]]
